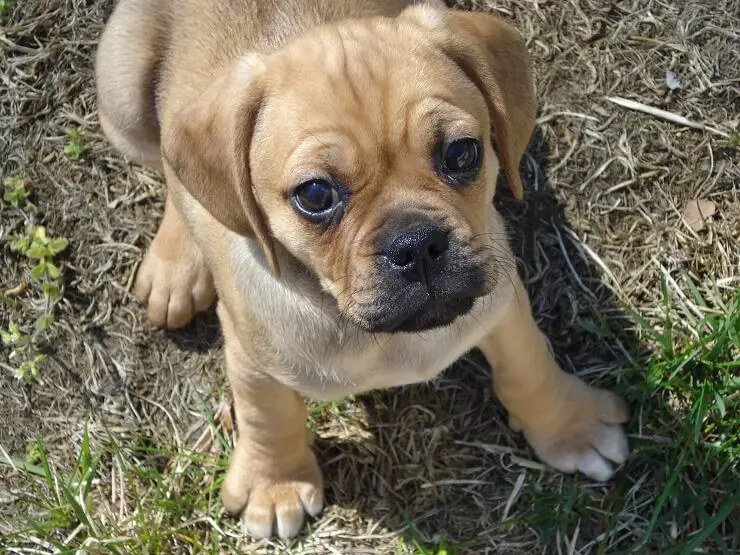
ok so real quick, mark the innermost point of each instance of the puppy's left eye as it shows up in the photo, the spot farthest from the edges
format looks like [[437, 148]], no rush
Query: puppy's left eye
[[317, 199], [460, 158]]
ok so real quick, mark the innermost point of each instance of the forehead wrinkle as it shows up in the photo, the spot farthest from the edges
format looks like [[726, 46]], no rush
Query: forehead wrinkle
[[412, 113], [324, 149], [367, 64], [350, 59]]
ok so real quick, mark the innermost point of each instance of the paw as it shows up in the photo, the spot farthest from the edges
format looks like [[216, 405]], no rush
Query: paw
[[174, 282], [582, 433], [270, 498]]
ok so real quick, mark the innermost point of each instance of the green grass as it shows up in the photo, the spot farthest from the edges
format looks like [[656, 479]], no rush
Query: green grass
[[678, 494], [167, 501]]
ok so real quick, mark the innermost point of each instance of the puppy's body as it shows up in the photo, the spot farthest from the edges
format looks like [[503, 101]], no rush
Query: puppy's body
[[323, 360], [345, 145]]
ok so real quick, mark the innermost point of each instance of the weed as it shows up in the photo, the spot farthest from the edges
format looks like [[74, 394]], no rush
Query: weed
[[16, 194], [685, 460], [439, 548], [43, 272], [733, 141], [75, 144], [173, 488], [22, 352]]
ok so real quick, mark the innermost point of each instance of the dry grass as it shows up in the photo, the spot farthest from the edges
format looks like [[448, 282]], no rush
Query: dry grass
[[600, 234]]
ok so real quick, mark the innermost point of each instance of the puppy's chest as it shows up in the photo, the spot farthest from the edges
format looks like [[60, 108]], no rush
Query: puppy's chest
[[385, 361], [323, 358]]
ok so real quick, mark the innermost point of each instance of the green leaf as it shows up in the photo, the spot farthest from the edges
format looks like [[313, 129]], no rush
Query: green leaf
[[51, 291], [23, 466], [43, 322], [730, 505], [720, 403], [57, 245], [39, 271], [38, 252], [20, 244], [53, 271]]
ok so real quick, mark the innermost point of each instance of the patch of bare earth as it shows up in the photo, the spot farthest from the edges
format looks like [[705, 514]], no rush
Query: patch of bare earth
[[600, 230]]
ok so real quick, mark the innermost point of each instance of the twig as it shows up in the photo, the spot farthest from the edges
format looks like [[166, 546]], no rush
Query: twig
[[662, 114]]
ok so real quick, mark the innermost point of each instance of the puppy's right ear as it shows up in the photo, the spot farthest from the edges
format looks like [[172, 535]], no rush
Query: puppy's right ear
[[207, 143]]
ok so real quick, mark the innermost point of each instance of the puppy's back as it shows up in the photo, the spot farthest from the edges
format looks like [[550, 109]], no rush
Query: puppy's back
[[209, 34]]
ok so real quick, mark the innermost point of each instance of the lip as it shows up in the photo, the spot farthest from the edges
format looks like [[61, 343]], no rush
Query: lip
[[431, 315]]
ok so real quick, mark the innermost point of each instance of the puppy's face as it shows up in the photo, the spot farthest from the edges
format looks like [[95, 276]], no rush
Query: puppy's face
[[376, 170], [371, 161]]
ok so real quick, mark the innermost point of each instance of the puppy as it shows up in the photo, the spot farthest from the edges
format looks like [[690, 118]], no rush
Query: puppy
[[330, 170]]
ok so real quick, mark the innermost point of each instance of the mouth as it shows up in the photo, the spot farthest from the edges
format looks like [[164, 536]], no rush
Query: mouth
[[432, 314]]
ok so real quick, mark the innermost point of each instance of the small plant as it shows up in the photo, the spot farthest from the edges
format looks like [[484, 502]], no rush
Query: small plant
[[35, 451], [22, 351], [41, 250], [733, 141], [16, 193], [75, 144], [64, 498]]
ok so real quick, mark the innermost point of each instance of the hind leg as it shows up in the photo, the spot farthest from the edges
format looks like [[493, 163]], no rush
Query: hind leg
[[173, 280]]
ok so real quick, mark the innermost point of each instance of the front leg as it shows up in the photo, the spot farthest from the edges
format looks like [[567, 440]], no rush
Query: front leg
[[273, 477], [173, 280], [570, 425]]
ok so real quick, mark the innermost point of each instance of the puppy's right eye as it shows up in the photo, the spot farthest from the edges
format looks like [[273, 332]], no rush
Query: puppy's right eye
[[460, 160], [317, 199]]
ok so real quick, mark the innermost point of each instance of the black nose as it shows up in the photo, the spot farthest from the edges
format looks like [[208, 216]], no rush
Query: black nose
[[417, 252]]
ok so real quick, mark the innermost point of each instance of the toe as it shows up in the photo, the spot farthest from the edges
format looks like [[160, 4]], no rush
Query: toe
[[203, 294], [179, 311], [259, 516], [143, 285], [312, 498], [564, 461], [289, 514], [611, 442], [157, 306], [613, 409], [594, 466]]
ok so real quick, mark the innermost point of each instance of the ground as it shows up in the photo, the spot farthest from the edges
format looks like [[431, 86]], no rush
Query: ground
[[114, 435]]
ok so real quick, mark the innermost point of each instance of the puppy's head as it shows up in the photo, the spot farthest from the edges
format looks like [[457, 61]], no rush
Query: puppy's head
[[370, 150]]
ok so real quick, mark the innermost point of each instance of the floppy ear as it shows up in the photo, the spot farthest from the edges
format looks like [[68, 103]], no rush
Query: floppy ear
[[492, 54], [207, 147]]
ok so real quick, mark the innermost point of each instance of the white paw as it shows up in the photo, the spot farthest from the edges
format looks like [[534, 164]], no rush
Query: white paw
[[585, 435], [270, 497]]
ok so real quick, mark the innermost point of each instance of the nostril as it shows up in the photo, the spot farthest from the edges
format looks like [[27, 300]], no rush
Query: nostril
[[437, 248], [437, 245], [402, 258]]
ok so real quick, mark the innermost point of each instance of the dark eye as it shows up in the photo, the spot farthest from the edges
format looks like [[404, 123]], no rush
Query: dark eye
[[316, 199], [461, 156]]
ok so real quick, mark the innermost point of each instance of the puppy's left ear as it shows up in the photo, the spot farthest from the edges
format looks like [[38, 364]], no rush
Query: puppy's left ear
[[492, 54]]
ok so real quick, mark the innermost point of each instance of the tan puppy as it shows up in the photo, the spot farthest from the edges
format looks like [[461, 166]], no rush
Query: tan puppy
[[331, 166]]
